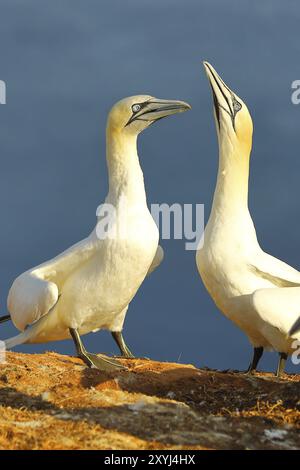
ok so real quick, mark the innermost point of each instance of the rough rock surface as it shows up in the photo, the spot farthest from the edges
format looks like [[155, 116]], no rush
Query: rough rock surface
[[50, 401]]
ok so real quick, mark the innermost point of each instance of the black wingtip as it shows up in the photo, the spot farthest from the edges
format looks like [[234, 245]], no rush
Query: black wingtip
[[4, 319], [295, 328]]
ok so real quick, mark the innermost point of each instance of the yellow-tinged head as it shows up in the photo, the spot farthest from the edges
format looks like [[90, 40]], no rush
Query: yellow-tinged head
[[134, 114], [233, 120]]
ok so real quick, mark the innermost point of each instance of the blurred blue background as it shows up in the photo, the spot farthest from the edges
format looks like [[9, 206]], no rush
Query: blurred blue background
[[65, 63]]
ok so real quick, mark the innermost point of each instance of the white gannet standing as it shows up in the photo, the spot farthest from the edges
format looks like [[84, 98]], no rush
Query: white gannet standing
[[256, 291], [89, 286]]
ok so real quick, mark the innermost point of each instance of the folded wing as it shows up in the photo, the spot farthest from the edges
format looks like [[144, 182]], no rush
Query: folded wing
[[35, 292], [274, 270], [279, 307], [30, 298]]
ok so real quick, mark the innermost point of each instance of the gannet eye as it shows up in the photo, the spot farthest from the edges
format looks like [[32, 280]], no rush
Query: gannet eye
[[236, 106], [136, 107]]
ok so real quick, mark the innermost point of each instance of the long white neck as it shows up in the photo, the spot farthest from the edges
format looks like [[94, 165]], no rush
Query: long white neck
[[231, 193], [125, 175]]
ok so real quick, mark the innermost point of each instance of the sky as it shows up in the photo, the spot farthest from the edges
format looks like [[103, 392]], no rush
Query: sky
[[65, 64]]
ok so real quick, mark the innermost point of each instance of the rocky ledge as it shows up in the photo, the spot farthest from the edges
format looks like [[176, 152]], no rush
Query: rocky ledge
[[50, 401]]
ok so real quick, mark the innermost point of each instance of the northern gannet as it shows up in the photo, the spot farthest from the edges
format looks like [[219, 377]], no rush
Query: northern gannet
[[89, 286], [256, 291]]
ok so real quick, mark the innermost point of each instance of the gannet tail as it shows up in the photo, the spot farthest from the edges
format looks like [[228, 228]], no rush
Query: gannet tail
[[295, 328], [19, 339]]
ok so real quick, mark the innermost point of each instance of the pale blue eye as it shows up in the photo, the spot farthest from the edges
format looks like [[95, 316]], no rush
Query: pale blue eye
[[136, 108], [236, 106]]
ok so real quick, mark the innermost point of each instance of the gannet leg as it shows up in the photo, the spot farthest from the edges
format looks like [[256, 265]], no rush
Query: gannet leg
[[5, 318], [281, 364], [124, 349], [257, 353], [95, 361]]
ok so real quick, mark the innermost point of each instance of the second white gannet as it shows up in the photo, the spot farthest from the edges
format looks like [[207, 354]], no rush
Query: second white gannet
[[258, 292], [89, 286]]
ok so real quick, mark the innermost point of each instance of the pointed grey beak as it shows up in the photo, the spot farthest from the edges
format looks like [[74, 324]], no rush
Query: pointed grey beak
[[156, 109], [220, 90], [224, 98]]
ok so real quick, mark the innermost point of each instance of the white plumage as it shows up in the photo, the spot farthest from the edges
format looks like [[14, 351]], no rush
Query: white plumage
[[89, 286], [258, 292]]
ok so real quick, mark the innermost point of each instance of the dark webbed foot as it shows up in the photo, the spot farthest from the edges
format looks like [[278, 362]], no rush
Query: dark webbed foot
[[100, 361], [257, 354], [231, 371]]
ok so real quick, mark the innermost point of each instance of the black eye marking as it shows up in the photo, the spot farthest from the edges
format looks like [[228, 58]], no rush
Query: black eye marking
[[231, 111], [216, 105], [236, 107], [136, 108]]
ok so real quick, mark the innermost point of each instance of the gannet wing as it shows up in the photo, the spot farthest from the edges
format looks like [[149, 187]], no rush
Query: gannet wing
[[159, 256], [34, 293], [279, 307], [274, 270], [59, 268], [30, 298]]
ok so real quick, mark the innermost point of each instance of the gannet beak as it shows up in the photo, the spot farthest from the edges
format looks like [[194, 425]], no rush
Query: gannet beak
[[223, 97], [156, 109]]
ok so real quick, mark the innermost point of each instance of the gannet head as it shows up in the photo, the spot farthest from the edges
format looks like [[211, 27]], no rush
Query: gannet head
[[233, 120], [134, 114]]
